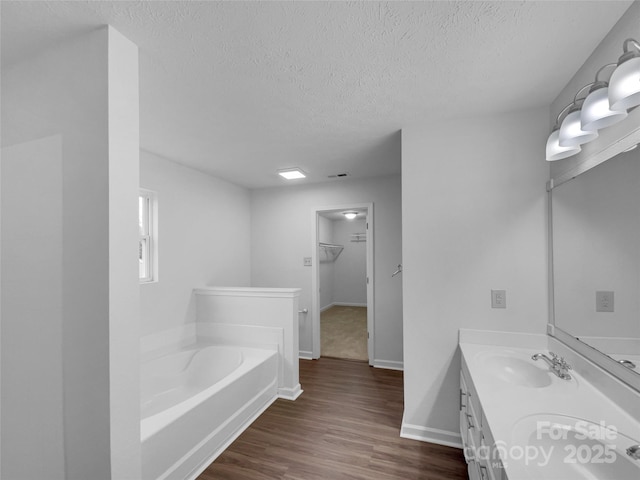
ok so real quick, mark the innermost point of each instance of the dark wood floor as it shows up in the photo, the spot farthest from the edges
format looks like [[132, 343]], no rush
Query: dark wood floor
[[345, 425]]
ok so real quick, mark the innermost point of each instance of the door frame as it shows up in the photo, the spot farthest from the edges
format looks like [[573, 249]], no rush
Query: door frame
[[315, 277]]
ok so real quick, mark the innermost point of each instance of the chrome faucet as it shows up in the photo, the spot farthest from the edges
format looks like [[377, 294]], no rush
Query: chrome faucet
[[557, 365], [634, 452]]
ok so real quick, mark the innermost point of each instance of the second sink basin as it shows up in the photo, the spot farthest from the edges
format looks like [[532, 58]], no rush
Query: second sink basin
[[564, 447]]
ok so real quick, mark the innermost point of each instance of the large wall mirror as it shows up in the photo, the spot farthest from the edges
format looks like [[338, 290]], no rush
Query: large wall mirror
[[595, 225]]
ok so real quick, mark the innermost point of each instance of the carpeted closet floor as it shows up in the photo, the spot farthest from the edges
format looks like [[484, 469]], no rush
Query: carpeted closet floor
[[343, 333]]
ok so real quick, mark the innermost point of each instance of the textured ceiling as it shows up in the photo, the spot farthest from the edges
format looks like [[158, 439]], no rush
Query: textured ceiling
[[241, 89]]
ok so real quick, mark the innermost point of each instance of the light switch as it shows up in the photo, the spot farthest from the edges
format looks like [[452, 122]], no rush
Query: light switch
[[498, 299], [604, 301]]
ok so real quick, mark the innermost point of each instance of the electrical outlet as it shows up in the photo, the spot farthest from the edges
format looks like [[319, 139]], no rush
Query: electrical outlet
[[498, 299], [604, 301], [307, 261]]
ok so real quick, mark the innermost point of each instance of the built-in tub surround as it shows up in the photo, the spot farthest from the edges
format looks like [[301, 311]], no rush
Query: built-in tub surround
[[203, 383], [196, 400], [267, 308], [538, 425]]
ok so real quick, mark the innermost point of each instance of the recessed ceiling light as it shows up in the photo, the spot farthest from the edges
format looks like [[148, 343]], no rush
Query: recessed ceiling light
[[291, 173]]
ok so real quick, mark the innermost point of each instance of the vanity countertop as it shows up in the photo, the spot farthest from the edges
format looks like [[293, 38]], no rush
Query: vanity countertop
[[527, 407]]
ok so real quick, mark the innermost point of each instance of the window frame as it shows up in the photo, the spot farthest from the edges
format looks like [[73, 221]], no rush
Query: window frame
[[148, 235]]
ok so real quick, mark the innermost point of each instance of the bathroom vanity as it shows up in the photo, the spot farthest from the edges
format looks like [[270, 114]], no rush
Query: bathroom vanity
[[520, 420], [476, 434], [528, 414]]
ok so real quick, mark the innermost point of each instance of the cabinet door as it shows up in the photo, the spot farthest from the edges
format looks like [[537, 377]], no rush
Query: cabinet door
[[463, 411], [473, 424], [469, 422], [493, 463]]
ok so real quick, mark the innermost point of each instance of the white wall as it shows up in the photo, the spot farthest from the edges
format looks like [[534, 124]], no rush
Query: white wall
[[124, 296], [0, 312], [350, 272], [325, 229], [204, 235], [282, 235], [75, 90], [32, 309], [474, 219]]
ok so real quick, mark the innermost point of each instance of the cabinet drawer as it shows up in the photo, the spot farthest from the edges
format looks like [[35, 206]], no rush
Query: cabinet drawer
[[463, 410], [471, 395], [473, 424]]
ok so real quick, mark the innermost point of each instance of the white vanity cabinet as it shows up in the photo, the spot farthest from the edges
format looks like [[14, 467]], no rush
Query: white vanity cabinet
[[478, 446], [536, 418]]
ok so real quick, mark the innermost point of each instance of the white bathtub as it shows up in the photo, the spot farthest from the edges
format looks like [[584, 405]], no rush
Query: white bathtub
[[196, 401]]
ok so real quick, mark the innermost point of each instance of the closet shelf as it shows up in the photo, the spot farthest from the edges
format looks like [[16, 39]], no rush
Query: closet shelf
[[328, 252]]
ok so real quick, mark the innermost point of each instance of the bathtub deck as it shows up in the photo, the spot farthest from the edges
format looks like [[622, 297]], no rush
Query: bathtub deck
[[346, 424]]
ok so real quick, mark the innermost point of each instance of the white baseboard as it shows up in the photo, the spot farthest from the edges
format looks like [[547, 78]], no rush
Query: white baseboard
[[431, 435], [388, 364], [342, 304], [290, 393]]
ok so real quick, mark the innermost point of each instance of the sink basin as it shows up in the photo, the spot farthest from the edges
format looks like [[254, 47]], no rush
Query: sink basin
[[515, 371], [564, 447]]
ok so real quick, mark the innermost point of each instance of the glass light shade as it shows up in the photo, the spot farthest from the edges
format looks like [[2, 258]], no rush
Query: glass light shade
[[571, 132], [596, 113], [624, 85], [350, 215], [555, 151]]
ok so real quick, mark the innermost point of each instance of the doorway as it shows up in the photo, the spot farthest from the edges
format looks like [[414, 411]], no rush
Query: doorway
[[342, 282]]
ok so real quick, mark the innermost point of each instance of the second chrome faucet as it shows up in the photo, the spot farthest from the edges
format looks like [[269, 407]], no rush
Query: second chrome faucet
[[557, 365]]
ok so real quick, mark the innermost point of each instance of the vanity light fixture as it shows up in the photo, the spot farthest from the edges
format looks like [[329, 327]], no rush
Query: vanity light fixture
[[350, 215], [571, 132], [554, 150], [292, 173], [596, 113], [605, 105], [624, 86]]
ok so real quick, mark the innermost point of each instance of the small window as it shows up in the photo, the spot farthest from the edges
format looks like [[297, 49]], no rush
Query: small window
[[147, 243]]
